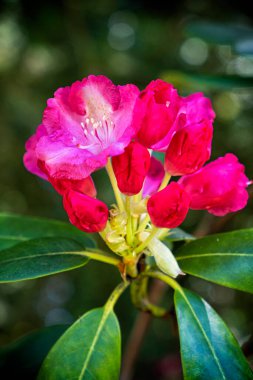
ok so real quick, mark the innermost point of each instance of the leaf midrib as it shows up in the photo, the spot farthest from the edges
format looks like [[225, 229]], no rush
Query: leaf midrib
[[16, 237], [216, 359], [94, 342], [214, 254], [63, 253]]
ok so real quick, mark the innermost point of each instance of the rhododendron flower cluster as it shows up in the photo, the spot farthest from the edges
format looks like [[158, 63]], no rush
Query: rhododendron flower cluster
[[95, 124]]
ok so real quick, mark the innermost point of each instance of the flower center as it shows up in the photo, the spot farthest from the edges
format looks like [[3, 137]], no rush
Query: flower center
[[93, 127]]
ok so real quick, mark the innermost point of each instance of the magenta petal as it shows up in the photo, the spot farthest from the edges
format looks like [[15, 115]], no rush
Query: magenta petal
[[30, 157], [67, 162], [154, 177], [219, 187], [83, 125]]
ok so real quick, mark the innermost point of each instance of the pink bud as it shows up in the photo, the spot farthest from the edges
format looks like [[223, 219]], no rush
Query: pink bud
[[131, 168], [168, 208], [154, 177], [190, 146], [189, 149], [219, 187], [85, 186], [86, 213], [155, 113]]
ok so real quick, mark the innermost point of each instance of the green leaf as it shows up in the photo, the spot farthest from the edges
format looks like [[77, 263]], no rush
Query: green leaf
[[23, 358], [219, 33], [15, 229], [176, 234], [226, 259], [89, 349], [39, 258], [208, 348], [189, 82]]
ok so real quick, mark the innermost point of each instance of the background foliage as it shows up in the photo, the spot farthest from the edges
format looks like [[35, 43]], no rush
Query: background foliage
[[198, 46]]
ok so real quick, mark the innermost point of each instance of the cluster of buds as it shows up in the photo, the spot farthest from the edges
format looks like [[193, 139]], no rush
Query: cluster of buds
[[95, 124]]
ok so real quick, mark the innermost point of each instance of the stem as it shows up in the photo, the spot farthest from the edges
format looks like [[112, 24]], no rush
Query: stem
[[140, 299], [138, 333], [135, 220], [115, 295], [129, 236], [144, 223], [163, 277], [165, 181], [98, 255], [116, 191], [145, 243]]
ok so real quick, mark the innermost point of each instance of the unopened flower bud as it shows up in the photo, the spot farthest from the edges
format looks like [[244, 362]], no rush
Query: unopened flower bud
[[219, 187], [164, 258], [85, 186], [168, 208], [189, 149], [131, 168], [86, 213], [155, 114]]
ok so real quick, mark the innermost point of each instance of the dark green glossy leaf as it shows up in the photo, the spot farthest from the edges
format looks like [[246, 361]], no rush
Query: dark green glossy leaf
[[176, 234], [244, 46], [15, 229], [219, 33], [208, 348], [226, 259], [89, 349], [23, 358], [39, 258], [189, 82]]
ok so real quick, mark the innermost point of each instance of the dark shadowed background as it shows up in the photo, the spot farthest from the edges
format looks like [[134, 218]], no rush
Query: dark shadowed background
[[196, 45]]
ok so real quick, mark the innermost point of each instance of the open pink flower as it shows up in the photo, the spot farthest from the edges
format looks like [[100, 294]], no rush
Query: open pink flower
[[190, 146], [219, 187], [155, 114], [82, 126], [86, 213], [169, 207]]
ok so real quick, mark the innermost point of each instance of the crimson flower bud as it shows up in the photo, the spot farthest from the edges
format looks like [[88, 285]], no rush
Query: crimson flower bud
[[155, 113], [168, 208], [189, 149], [131, 168], [219, 187], [86, 213], [84, 186]]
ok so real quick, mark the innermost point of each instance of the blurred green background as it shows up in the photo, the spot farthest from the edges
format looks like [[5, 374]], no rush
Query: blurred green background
[[196, 45]]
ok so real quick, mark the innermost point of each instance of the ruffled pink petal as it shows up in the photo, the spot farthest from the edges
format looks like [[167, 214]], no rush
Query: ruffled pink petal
[[62, 161], [84, 124], [196, 107], [30, 157]]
